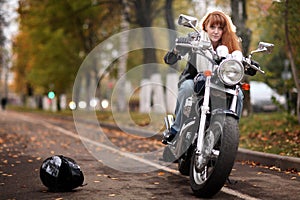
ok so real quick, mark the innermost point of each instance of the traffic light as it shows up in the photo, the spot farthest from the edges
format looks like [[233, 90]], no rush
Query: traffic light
[[51, 95]]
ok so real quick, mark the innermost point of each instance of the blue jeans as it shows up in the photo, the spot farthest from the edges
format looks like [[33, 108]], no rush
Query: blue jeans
[[186, 90]]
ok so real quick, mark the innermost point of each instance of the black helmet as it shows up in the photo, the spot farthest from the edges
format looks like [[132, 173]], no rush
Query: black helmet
[[60, 173]]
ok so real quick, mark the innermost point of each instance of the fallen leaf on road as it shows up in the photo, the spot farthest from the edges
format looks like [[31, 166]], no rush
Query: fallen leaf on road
[[161, 173]]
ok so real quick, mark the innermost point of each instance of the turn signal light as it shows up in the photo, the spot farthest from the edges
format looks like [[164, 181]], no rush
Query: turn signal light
[[246, 86], [207, 73]]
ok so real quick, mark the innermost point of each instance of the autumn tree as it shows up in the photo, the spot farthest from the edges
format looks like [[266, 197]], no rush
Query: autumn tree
[[2, 24], [2, 37], [144, 14], [172, 76], [3, 53], [291, 28], [61, 34], [280, 27], [239, 18]]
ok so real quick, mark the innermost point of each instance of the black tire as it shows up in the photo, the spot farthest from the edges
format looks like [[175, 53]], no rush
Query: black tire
[[210, 179]]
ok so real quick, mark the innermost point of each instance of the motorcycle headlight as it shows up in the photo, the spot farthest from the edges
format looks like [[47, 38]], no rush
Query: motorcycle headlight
[[231, 72]]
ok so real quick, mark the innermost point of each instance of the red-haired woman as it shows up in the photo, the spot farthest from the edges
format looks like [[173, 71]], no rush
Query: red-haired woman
[[217, 28]]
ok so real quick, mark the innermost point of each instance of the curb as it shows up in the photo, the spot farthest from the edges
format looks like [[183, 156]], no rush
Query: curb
[[267, 159]]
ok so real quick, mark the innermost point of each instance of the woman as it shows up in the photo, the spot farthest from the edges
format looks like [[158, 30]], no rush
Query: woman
[[217, 28]]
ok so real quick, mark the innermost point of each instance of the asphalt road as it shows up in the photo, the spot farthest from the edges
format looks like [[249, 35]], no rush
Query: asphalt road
[[28, 139]]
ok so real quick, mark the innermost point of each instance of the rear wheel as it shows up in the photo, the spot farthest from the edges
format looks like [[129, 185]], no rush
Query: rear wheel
[[207, 179]]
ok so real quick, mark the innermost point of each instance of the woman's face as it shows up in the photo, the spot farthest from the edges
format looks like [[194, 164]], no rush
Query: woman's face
[[214, 32]]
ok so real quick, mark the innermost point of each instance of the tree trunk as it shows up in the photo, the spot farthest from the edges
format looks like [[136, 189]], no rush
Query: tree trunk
[[123, 59], [291, 57], [170, 22], [172, 76], [151, 92], [239, 17]]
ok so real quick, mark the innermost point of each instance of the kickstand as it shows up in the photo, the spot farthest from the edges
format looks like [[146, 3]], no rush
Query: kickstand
[[231, 182]]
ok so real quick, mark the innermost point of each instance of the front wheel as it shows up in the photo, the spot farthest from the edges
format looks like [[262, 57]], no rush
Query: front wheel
[[210, 178]]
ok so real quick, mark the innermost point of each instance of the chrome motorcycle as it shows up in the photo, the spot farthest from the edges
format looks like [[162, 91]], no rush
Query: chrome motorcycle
[[207, 143]]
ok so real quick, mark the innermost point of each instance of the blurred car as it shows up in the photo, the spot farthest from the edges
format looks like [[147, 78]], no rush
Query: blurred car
[[261, 97]]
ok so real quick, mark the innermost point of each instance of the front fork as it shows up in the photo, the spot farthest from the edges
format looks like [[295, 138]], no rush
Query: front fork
[[204, 112], [201, 153]]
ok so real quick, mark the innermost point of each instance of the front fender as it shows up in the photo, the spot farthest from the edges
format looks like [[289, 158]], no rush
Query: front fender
[[221, 111]]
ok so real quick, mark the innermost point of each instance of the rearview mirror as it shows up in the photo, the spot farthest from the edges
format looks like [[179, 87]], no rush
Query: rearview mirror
[[187, 21], [264, 47], [267, 47]]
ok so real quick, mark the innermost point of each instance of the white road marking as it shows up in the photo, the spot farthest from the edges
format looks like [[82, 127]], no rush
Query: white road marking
[[125, 154]]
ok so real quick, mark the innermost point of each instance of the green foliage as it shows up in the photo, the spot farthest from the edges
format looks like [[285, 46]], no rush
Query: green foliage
[[272, 30], [57, 34]]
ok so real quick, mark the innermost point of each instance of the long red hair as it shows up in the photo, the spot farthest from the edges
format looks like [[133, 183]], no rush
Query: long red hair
[[229, 37]]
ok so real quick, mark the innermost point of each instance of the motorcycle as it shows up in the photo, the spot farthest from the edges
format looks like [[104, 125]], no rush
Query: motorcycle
[[207, 143]]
